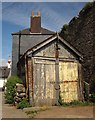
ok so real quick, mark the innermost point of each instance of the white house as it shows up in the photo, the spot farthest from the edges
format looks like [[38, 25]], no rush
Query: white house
[[5, 72]]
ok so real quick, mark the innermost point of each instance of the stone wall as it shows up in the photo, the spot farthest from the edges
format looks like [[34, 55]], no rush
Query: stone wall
[[20, 93], [81, 35]]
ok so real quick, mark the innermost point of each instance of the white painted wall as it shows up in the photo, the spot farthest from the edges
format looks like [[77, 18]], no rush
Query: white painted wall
[[2, 82]]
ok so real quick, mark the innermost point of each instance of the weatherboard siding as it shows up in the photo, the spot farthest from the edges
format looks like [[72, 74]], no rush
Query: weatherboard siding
[[46, 82]]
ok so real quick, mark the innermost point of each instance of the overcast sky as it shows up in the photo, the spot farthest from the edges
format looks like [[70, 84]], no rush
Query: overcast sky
[[16, 16]]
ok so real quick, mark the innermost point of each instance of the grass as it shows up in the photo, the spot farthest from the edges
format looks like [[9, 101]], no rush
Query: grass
[[33, 113], [23, 104], [77, 103]]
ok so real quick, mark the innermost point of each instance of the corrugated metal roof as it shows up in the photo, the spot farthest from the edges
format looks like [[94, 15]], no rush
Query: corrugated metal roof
[[27, 31]]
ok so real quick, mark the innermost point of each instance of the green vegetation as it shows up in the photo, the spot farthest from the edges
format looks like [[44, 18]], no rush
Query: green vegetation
[[65, 27], [33, 113], [64, 30], [10, 89], [92, 98], [60, 100], [90, 101], [77, 103], [23, 104], [87, 7]]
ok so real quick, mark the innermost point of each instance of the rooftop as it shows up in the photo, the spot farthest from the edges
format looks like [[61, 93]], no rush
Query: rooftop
[[27, 32], [4, 72]]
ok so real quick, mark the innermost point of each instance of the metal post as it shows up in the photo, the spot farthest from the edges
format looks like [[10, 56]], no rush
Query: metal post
[[4, 78], [57, 87]]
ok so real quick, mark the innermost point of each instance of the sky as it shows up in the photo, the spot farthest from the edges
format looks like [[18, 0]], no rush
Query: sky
[[16, 16]]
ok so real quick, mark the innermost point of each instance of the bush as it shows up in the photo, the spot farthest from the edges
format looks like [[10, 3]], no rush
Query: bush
[[65, 29], [60, 101], [77, 103], [87, 7], [10, 89], [80, 103], [23, 104], [92, 98]]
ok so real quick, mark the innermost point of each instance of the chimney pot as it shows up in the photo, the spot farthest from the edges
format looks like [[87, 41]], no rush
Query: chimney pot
[[35, 23], [38, 13], [32, 13]]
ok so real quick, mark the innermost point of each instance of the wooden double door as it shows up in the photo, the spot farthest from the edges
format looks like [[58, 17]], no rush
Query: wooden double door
[[52, 80]]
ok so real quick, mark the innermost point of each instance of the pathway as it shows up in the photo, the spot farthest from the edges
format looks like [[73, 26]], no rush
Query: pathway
[[9, 111], [54, 112], [67, 112]]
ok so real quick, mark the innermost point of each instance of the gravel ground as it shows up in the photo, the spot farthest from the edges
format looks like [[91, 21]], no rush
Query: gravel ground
[[9, 111], [67, 112], [54, 112]]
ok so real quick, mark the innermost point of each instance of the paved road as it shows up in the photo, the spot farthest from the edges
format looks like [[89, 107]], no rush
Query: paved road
[[11, 111]]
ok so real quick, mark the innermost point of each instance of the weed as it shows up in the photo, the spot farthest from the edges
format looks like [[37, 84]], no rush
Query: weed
[[33, 113], [23, 104], [87, 7]]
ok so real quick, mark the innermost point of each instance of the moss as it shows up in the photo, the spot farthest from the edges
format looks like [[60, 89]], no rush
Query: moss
[[86, 7], [64, 30]]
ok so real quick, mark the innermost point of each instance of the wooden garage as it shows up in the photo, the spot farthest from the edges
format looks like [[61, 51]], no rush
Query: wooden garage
[[51, 69]]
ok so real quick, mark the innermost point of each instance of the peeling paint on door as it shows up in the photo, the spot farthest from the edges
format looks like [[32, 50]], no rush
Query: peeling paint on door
[[44, 77], [68, 75]]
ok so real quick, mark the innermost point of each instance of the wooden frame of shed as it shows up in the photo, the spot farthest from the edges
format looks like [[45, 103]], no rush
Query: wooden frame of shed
[[51, 69]]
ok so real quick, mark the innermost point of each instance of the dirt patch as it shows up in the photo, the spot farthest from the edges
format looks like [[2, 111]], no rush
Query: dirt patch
[[67, 112], [52, 112], [9, 111]]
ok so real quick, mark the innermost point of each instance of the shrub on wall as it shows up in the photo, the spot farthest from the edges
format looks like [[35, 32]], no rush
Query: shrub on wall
[[86, 7], [10, 89], [92, 98]]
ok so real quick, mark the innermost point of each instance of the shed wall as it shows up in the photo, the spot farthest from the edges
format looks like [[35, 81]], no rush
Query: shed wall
[[50, 78]]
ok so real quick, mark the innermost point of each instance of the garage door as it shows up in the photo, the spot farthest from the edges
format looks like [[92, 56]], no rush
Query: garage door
[[44, 79], [44, 76]]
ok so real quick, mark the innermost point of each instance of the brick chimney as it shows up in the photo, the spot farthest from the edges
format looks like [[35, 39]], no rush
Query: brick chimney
[[35, 23]]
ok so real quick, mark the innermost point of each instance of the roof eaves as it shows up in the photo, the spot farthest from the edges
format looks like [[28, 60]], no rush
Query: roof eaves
[[36, 46], [27, 32], [46, 41]]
